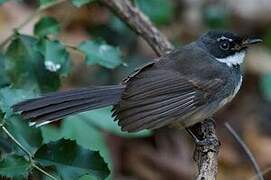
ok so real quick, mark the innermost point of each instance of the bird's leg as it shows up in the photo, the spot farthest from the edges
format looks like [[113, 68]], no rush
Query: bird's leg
[[204, 139], [194, 137]]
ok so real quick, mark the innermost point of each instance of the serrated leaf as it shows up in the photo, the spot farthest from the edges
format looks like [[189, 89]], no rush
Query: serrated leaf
[[46, 26], [101, 53], [71, 160], [83, 128], [79, 130], [159, 11], [79, 3], [56, 57], [25, 65], [13, 165]]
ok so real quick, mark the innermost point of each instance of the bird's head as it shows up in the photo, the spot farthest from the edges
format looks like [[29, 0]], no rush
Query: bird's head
[[227, 47]]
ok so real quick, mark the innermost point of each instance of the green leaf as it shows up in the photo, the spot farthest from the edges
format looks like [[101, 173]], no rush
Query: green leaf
[[71, 160], [56, 57], [25, 65], [83, 128], [79, 3], [159, 11], [46, 2], [4, 80], [46, 26], [101, 53], [266, 86], [13, 165], [20, 56], [29, 137], [9, 97], [82, 132], [102, 118]]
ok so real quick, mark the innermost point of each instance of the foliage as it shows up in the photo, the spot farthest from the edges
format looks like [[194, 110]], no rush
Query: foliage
[[13, 165], [100, 53], [35, 64], [71, 160], [45, 26], [4, 78]]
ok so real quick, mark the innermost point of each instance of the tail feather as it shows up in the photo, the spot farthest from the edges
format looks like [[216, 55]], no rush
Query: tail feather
[[70, 95], [59, 106], [55, 106]]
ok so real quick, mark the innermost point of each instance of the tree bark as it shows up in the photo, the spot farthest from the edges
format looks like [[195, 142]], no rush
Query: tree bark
[[140, 24]]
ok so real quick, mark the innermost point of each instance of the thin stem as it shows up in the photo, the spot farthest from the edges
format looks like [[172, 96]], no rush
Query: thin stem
[[44, 172], [266, 171], [246, 150], [16, 142], [30, 158], [28, 20]]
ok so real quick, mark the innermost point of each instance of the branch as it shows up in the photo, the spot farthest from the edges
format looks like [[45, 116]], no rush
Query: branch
[[246, 150], [138, 22], [206, 155]]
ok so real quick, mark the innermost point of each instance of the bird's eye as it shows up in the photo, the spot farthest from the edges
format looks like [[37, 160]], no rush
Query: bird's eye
[[225, 45]]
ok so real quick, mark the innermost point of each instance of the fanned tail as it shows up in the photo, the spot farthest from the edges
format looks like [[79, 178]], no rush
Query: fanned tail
[[54, 106]]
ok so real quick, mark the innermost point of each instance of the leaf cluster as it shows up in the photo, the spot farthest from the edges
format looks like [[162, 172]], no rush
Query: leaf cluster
[[34, 64]]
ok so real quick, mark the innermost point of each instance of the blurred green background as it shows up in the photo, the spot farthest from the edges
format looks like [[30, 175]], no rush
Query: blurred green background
[[51, 45]]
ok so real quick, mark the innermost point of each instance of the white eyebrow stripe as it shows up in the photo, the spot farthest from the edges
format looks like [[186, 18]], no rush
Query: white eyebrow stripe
[[224, 38]]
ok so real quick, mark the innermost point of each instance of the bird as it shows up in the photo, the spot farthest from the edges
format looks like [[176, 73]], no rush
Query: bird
[[179, 89]]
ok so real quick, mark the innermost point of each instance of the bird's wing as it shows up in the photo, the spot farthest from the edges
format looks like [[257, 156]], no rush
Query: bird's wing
[[154, 97]]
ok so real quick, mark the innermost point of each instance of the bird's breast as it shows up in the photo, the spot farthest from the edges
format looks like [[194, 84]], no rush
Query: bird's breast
[[232, 93]]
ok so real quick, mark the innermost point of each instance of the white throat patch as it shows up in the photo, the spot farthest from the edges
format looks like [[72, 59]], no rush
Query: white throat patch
[[232, 60]]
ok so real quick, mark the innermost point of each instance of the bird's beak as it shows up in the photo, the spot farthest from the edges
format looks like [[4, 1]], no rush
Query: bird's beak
[[250, 41]]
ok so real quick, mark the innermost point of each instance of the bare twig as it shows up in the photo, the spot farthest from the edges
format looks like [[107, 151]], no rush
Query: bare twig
[[138, 22], [28, 20], [246, 150], [264, 172]]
